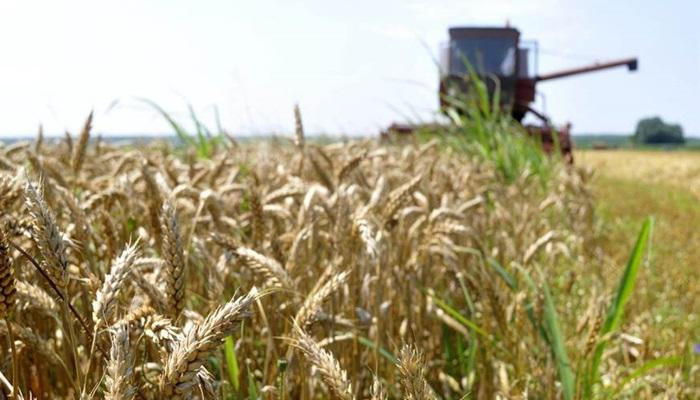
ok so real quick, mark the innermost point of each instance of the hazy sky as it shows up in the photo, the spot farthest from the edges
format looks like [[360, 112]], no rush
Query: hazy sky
[[353, 66]]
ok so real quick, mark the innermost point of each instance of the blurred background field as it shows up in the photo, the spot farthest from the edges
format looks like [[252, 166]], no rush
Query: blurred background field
[[608, 141], [656, 170], [629, 185]]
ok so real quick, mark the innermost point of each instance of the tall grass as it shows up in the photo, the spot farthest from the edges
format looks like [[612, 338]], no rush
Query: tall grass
[[617, 307], [203, 141], [481, 126]]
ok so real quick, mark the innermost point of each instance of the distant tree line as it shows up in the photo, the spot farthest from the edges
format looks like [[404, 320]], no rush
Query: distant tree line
[[654, 130]]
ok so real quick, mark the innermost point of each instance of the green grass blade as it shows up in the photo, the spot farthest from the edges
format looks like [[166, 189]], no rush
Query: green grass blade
[[556, 343], [384, 352], [530, 307], [648, 366], [179, 130], [624, 291], [629, 277], [252, 385], [203, 135], [505, 275], [231, 363], [550, 330], [217, 119], [459, 317], [220, 137]]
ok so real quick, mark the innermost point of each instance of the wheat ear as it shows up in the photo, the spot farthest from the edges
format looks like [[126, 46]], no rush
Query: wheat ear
[[298, 129], [119, 378], [8, 287], [312, 304], [174, 257], [39, 139], [413, 383], [31, 297], [269, 268], [331, 373], [198, 341], [397, 199], [47, 236], [103, 305], [81, 147], [377, 390], [7, 300]]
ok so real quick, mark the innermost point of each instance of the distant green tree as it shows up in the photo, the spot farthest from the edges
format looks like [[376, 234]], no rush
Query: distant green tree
[[655, 131]]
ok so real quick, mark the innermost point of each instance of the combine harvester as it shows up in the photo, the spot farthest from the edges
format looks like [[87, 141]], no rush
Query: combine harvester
[[501, 60]]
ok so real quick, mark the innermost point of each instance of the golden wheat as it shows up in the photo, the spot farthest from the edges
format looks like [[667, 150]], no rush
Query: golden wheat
[[123, 269]]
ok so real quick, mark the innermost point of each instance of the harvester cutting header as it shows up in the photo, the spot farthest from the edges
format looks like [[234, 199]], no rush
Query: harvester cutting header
[[499, 53]]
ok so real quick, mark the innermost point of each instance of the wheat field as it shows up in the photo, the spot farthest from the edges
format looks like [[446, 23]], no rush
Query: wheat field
[[678, 168], [293, 270]]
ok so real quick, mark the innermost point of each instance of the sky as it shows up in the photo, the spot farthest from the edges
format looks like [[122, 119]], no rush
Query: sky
[[352, 66]]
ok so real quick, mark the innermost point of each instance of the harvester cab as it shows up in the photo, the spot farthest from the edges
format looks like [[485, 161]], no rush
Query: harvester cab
[[503, 62], [491, 52]]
